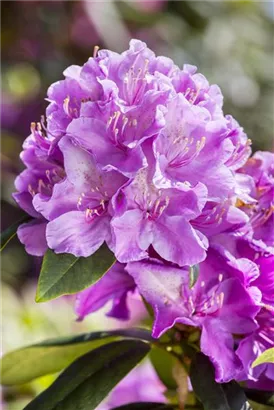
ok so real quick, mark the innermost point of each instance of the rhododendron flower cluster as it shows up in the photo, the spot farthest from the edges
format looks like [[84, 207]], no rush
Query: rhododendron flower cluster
[[137, 153]]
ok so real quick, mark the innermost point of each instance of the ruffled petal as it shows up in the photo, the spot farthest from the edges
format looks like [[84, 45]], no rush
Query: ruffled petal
[[33, 236], [114, 285], [72, 233]]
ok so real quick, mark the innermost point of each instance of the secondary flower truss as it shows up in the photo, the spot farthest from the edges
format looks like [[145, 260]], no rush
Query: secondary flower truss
[[137, 153]]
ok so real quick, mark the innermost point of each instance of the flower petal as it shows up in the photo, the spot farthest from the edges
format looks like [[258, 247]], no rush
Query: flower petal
[[176, 241], [71, 233], [114, 285], [33, 236], [218, 344], [161, 286], [127, 229]]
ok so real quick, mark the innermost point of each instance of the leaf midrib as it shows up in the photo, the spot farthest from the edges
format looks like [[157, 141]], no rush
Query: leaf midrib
[[40, 295]]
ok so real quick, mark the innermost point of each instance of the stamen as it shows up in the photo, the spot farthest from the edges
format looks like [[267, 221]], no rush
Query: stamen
[[125, 121], [109, 121], [88, 212], [221, 299], [116, 116], [66, 106], [157, 203], [95, 51], [41, 185], [187, 92], [190, 300], [31, 190], [268, 307]]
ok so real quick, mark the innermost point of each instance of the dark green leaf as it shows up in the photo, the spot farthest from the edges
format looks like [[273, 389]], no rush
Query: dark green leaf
[[87, 381], [164, 364], [146, 406], [235, 395], [260, 396], [215, 396], [10, 232], [64, 274], [51, 356]]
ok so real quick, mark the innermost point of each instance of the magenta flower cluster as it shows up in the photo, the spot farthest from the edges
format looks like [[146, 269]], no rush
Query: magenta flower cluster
[[137, 153]]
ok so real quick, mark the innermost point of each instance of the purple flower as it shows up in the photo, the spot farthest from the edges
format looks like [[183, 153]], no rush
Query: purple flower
[[65, 96], [198, 91], [241, 144], [150, 216], [136, 153], [265, 264], [33, 236], [44, 170], [84, 228], [222, 303], [114, 134], [261, 169], [114, 285], [252, 346], [192, 148], [217, 218], [261, 338]]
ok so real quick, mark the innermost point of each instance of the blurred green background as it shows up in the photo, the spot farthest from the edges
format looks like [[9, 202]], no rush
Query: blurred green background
[[231, 42]]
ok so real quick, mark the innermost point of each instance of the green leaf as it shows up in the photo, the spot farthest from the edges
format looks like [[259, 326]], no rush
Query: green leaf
[[64, 274], [53, 355], [146, 406], [11, 231], [215, 396], [266, 357], [164, 364], [193, 275], [88, 380]]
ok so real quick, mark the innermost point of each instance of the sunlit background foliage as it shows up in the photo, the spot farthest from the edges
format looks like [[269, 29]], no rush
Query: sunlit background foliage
[[231, 42]]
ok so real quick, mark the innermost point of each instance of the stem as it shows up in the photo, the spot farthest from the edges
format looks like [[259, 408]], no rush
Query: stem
[[168, 348]]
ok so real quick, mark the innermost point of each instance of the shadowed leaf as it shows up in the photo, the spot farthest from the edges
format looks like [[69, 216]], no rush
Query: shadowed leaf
[[213, 395], [53, 355], [11, 231], [88, 380]]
